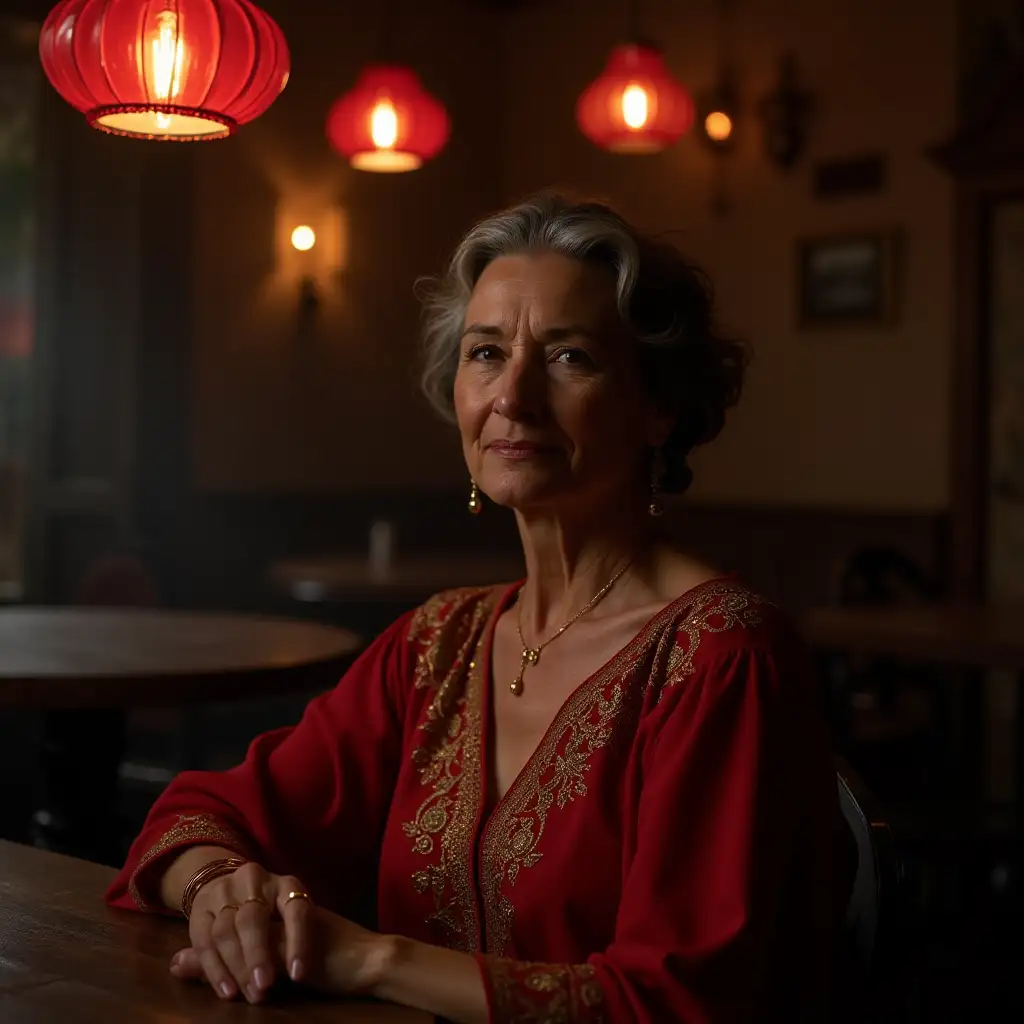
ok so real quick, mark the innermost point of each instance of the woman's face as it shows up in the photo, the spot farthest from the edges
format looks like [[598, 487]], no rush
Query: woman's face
[[548, 394]]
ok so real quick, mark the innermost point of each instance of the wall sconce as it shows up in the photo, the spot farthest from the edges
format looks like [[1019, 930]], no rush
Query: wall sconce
[[311, 247], [718, 115], [303, 240], [784, 113]]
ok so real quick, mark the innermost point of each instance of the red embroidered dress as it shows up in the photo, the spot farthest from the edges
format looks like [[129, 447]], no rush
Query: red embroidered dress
[[665, 855]]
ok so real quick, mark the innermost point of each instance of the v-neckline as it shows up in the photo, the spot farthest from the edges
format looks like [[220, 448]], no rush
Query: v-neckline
[[489, 808]]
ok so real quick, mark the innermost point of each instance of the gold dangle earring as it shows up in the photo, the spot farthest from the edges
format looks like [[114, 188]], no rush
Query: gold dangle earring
[[475, 504], [655, 506]]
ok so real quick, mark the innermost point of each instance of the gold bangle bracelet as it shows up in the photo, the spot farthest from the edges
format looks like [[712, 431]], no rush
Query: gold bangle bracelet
[[207, 873]]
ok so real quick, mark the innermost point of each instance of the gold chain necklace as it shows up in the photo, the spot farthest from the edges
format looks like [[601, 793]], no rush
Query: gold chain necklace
[[531, 655]]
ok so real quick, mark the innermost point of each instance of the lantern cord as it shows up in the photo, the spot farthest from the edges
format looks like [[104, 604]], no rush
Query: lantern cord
[[633, 18], [386, 39], [725, 33]]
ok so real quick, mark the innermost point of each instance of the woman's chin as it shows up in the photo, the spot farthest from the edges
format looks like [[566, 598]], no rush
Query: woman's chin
[[520, 495]]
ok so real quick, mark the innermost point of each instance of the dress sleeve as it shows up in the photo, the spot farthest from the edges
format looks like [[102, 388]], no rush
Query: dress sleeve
[[727, 911], [309, 800]]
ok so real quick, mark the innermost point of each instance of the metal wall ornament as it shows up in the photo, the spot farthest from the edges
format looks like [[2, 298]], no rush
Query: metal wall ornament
[[785, 115]]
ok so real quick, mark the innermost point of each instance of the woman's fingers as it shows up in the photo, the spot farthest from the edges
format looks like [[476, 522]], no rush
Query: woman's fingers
[[186, 966], [203, 943], [227, 941], [296, 910], [253, 923]]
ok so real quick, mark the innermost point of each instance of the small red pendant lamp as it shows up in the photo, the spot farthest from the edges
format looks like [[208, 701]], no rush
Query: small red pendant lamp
[[634, 105], [388, 122], [165, 69]]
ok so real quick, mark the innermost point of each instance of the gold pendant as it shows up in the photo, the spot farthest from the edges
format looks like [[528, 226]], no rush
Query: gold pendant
[[531, 655]]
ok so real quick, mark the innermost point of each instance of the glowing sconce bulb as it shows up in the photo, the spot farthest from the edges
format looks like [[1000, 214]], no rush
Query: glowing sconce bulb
[[635, 106], [718, 126], [384, 124], [303, 238]]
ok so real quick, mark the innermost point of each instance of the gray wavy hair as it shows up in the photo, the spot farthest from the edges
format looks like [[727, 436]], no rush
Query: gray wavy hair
[[666, 305]]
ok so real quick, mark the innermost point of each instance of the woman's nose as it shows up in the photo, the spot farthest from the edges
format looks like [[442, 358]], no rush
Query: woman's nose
[[521, 389]]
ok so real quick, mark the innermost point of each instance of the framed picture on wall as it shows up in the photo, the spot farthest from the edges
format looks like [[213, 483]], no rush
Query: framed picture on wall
[[848, 280]]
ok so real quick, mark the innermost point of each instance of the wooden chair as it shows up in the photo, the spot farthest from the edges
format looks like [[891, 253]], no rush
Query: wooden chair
[[876, 912]]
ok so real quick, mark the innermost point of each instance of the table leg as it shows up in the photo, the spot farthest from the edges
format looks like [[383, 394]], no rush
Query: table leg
[[81, 754]]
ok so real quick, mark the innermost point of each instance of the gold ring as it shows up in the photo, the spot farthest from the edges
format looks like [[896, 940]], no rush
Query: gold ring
[[297, 896], [255, 899], [228, 906]]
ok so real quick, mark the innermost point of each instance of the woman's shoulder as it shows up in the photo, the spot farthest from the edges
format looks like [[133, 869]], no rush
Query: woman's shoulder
[[721, 636], [724, 617]]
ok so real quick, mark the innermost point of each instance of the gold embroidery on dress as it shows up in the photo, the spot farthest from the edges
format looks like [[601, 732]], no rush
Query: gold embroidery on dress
[[439, 629], [556, 776], [556, 773], [449, 761], [737, 608], [544, 993], [191, 829]]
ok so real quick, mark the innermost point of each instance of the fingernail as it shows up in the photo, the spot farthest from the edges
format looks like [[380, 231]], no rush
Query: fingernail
[[252, 994], [260, 977], [227, 990], [295, 970], [175, 961]]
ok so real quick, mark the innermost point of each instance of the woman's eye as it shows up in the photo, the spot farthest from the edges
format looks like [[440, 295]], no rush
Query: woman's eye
[[483, 353], [572, 357]]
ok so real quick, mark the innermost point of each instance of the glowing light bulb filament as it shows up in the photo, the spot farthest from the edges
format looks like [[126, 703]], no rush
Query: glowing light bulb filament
[[635, 106], [384, 124], [168, 56]]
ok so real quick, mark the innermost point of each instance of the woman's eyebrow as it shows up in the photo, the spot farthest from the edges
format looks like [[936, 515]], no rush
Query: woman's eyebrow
[[489, 329]]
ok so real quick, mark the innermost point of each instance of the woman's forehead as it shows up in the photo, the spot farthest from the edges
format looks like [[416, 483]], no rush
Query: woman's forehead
[[548, 283]]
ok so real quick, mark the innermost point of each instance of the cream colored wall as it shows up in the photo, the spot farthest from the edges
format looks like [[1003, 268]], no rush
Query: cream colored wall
[[854, 418], [338, 410]]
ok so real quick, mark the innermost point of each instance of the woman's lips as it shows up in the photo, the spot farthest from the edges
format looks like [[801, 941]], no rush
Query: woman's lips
[[521, 449]]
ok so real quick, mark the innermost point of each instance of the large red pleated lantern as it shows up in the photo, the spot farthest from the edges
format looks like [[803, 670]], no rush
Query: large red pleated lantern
[[165, 69], [388, 122], [634, 105]]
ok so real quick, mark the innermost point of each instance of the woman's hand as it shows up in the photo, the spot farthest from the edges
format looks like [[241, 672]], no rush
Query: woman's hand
[[238, 942]]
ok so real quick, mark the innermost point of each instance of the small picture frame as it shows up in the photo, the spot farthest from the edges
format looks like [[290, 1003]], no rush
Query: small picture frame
[[848, 280]]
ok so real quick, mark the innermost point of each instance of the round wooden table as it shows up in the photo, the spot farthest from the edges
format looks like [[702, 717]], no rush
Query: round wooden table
[[410, 580], [84, 667], [975, 636], [970, 636], [127, 658]]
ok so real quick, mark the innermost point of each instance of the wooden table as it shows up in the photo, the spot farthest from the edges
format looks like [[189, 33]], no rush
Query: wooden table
[[973, 636], [412, 580], [65, 956], [85, 666], [983, 637]]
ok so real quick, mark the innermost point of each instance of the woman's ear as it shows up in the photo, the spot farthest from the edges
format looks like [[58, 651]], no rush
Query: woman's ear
[[660, 424]]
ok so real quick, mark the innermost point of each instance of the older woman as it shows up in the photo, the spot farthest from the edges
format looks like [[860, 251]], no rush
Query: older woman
[[603, 793]]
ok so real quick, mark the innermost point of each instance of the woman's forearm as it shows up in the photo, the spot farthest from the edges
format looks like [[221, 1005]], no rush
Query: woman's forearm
[[182, 868], [430, 978]]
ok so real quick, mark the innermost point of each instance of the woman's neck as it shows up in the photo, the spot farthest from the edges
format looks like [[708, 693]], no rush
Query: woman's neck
[[570, 557]]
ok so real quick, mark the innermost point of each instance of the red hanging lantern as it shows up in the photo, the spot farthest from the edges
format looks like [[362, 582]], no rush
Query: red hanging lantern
[[634, 105], [388, 122], [165, 69]]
